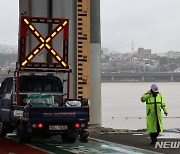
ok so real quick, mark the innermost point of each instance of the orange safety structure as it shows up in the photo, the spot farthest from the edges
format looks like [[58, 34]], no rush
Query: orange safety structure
[[25, 58]]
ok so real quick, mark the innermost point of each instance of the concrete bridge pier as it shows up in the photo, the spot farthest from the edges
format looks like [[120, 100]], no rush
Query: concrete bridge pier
[[95, 58]]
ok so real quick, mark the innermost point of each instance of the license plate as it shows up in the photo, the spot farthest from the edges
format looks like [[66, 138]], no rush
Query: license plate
[[57, 127]]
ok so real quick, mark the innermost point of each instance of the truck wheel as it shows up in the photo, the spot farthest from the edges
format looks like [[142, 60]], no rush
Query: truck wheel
[[84, 134], [64, 137], [2, 129], [22, 134], [28, 140], [67, 139], [72, 140], [19, 133]]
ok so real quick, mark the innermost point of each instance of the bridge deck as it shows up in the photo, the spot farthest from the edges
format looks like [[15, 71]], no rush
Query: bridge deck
[[140, 76]]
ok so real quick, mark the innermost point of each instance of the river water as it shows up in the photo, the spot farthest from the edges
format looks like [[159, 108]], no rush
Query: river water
[[122, 108]]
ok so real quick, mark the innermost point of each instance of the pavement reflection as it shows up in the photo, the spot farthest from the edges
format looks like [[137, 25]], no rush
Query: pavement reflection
[[56, 146]]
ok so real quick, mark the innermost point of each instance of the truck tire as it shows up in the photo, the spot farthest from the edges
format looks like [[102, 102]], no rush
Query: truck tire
[[83, 136], [3, 131], [67, 139], [72, 139], [21, 133], [64, 137]]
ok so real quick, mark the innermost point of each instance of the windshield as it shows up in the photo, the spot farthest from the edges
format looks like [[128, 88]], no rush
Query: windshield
[[40, 84], [41, 91]]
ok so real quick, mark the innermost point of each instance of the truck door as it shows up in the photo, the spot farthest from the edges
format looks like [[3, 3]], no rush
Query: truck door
[[6, 98]]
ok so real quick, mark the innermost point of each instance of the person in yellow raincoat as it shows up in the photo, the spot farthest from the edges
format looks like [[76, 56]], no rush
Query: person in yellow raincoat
[[154, 104]]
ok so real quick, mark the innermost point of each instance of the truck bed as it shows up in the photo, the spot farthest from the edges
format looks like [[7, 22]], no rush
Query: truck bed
[[53, 114]]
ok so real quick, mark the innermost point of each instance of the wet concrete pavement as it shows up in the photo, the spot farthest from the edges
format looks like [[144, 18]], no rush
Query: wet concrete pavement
[[54, 145], [113, 143], [142, 140]]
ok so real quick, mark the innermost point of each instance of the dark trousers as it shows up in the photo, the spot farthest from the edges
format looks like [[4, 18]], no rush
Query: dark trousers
[[155, 135]]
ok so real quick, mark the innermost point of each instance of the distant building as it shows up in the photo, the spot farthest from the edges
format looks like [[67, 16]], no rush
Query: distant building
[[103, 56], [144, 54], [8, 49], [143, 51], [162, 54], [177, 70], [172, 54], [105, 50]]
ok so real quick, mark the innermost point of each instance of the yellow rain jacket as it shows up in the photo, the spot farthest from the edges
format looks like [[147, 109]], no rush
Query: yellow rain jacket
[[153, 111]]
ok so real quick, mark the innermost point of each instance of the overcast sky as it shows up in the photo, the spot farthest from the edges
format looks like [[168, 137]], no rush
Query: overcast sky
[[8, 21], [151, 24]]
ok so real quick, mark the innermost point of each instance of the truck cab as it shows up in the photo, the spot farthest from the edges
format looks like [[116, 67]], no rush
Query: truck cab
[[42, 109]]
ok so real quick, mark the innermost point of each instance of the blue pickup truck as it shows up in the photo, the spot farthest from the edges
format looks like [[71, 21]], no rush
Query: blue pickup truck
[[41, 109]]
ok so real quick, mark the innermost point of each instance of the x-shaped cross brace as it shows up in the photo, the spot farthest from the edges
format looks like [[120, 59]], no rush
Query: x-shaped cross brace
[[44, 42]]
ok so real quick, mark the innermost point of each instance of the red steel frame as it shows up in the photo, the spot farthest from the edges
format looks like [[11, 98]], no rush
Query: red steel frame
[[25, 58], [28, 25]]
